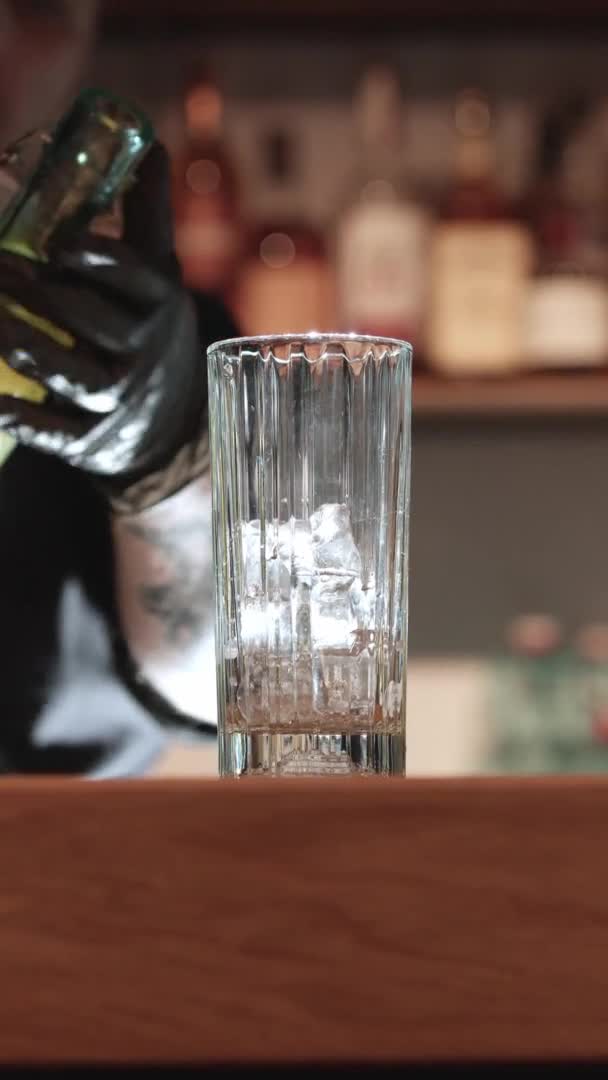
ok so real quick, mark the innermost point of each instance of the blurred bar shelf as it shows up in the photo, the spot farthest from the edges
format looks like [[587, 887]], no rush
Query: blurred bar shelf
[[350, 16], [546, 395], [303, 921]]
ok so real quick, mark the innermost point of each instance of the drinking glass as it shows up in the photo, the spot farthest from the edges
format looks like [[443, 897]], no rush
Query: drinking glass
[[310, 448]]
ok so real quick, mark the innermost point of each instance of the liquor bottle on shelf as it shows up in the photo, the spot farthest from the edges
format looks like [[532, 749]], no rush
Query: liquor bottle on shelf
[[382, 235], [208, 232], [566, 315], [525, 693], [591, 643], [481, 259], [285, 285]]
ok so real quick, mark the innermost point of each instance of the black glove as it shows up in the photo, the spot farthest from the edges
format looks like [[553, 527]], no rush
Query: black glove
[[128, 395]]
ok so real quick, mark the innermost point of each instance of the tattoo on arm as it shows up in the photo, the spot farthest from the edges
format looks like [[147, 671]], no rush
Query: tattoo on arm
[[180, 596]]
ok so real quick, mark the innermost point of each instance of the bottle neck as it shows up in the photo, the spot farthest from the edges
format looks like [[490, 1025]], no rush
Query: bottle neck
[[475, 161], [475, 194], [380, 160], [204, 113], [81, 172], [204, 134], [378, 117], [281, 164]]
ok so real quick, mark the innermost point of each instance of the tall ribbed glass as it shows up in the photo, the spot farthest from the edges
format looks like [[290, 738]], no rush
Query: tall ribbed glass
[[310, 444]]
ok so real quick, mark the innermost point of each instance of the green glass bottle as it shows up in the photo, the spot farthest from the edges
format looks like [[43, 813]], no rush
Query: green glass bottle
[[87, 162]]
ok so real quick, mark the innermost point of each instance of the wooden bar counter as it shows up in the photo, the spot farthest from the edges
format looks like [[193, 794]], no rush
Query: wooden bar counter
[[338, 921]]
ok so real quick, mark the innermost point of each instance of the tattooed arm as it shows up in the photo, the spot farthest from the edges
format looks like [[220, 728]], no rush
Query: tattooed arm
[[164, 578]]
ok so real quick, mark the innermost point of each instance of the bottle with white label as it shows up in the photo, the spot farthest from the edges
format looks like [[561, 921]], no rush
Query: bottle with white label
[[284, 285], [566, 315], [480, 262], [382, 236]]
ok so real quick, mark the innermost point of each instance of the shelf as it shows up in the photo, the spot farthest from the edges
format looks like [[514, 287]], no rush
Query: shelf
[[321, 9], [350, 15], [526, 395]]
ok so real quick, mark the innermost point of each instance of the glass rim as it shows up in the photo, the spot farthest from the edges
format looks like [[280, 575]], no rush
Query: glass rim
[[311, 337]]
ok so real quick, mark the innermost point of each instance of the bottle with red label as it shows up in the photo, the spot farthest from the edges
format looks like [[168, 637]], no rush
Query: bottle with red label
[[382, 236], [208, 233]]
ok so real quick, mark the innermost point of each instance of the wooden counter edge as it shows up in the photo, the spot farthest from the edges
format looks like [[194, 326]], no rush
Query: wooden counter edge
[[194, 921]]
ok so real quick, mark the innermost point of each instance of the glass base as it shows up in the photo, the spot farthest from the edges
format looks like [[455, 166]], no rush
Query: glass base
[[280, 753]]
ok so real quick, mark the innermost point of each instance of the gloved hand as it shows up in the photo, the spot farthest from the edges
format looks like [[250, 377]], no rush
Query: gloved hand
[[128, 395]]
